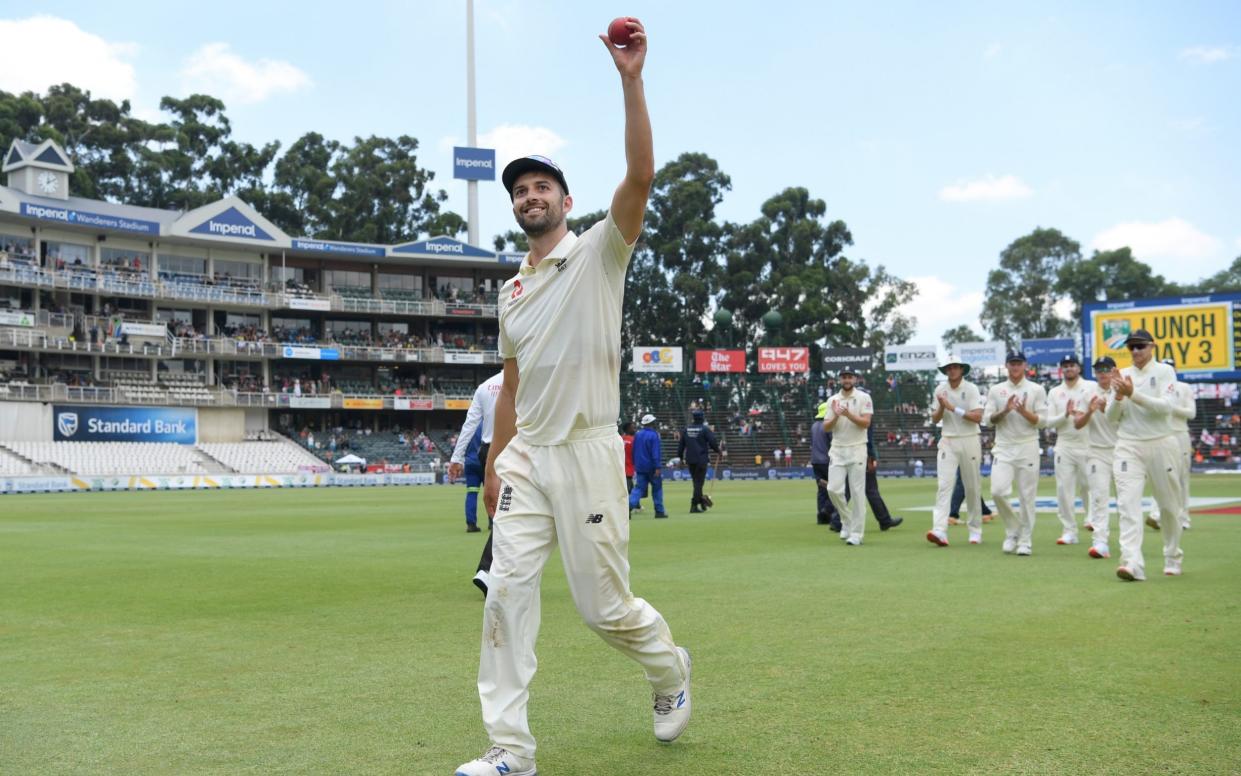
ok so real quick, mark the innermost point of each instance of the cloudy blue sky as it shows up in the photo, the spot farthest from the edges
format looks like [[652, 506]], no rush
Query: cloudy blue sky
[[938, 131]]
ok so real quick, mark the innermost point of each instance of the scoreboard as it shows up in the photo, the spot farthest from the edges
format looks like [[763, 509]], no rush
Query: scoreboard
[[1201, 334]]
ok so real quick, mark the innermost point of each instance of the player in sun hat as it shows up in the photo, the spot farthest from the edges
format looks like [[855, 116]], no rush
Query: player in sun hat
[[1146, 450], [1065, 403], [959, 406], [557, 461]]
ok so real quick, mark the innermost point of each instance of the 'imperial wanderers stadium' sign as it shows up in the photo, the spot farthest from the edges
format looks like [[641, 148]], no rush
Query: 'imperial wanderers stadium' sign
[[85, 423], [84, 218]]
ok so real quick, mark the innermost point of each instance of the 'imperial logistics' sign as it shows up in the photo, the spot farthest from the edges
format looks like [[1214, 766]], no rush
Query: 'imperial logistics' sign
[[1200, 334]]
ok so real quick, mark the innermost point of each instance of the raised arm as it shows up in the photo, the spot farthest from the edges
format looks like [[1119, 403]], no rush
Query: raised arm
[[629, 201]]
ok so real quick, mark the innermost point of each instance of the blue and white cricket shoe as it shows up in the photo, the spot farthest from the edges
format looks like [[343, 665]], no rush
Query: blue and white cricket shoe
[[672, 711], [498, 761]]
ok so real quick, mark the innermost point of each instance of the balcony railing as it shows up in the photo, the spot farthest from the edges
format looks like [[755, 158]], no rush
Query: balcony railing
[[179, 289], [35, 339], [220, 397]]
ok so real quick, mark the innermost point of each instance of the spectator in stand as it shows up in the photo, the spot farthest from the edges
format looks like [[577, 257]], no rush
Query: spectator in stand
[[788, 455]]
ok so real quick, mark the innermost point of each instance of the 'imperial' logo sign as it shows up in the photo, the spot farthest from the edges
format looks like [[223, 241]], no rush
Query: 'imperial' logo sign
[[231, 223]]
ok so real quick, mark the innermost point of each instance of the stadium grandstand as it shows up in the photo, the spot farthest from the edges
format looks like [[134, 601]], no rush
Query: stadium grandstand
[[137, 341]]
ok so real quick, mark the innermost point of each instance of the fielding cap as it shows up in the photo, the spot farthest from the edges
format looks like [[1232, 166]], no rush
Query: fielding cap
[[1106, 362], [1015, 355], [533, 163], [1141, 336]]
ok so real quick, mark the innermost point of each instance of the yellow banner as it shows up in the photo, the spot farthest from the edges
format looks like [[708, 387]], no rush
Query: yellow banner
[[364, 404], [1198, 338], [456, 404]]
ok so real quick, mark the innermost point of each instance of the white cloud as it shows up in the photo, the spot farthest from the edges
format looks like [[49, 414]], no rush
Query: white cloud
[[987, 189], [992, 51], [940, 305], [511, 141], [79, 57], [1173, 247], [214, 69], [514, 140], [1207, 55]]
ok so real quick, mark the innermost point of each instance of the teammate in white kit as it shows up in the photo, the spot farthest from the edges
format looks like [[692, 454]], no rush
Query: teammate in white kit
[[482, 412], [1015, 408], [1102, 452], [556, 469], [848, 415], [1145, 450], [1064, 402], [959, 405], [1184, 409]]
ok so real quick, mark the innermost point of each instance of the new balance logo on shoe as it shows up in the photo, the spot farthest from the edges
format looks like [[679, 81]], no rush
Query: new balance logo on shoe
[[594, 519], [502, 768]]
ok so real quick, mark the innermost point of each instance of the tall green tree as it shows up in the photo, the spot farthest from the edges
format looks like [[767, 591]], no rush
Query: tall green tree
[[1108, 275], [1225, 281], [1023, 291], [958, 334]]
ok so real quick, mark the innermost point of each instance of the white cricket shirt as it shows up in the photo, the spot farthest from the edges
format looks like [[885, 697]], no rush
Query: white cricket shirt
[[1102, 431], [1156, 383], [1184, 408], [1013, 430], [846, 433], [482, 410], [965, 396], [1057, 414], [561, 320]]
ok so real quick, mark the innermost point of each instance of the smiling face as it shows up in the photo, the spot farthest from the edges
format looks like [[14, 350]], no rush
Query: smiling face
[[539, 204], [1016, 371], [955, 372], [847, 381], [1071, 372]]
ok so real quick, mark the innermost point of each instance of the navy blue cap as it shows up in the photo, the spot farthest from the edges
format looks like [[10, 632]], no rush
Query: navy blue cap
[[1139, 336], [1015, 355], [533, 163], [1106, 362], [1070, 358]]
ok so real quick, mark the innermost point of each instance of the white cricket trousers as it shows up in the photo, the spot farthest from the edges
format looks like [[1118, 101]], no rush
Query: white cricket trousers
[[848, 464], [958, 454], [572, 494], [1187, 459], [1016, 467], [1099, 475], [1071, 479], [1138, 462]]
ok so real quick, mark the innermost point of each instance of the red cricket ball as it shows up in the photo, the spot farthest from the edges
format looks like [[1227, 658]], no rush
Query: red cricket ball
[[618, 32]]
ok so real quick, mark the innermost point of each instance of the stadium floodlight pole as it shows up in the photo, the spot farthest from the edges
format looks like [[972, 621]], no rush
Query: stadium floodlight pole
[[471, 121]]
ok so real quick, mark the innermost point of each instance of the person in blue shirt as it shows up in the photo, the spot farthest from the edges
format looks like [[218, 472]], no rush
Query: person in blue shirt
[[647, 459], [694, 449], [473, 481]]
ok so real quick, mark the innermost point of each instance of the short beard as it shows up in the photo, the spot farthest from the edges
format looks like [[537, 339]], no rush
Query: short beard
[[537, 227]]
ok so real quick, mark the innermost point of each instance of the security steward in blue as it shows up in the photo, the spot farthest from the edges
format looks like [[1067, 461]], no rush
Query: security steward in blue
[[694, 449]]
